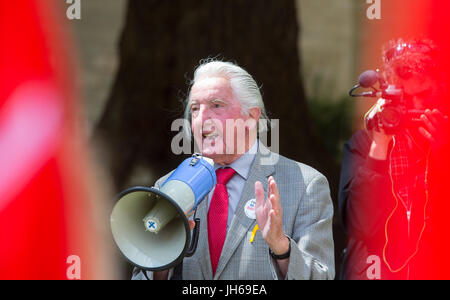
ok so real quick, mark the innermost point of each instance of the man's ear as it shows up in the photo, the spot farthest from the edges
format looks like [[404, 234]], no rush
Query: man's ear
[[255, 113]]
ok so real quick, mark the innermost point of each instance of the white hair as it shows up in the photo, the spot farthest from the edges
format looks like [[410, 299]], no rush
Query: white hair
[[243, 86]]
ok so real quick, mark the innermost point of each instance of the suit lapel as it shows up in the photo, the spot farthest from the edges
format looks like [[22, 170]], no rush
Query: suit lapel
[[241, 223], [203, 245]]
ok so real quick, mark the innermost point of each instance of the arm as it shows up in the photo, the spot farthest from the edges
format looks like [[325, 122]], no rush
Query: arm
[[269, 216], [312, 246], [312, 249]]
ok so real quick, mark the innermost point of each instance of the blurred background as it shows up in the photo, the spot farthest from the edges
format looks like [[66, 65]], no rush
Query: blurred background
[[128, 65]]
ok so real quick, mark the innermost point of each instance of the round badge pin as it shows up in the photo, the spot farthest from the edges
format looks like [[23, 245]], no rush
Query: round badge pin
[[250, 209]]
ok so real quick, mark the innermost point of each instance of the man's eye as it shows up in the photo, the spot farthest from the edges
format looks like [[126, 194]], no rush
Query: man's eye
[[194, 108], [217, 105]]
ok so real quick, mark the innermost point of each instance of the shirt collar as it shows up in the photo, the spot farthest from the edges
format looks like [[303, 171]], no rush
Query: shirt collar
[[243, 164]]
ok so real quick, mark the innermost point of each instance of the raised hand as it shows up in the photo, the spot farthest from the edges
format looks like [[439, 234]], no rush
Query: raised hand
[[269, 216], [435, 129]]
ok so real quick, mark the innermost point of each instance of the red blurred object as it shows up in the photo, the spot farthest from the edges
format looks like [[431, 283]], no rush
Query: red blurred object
[[438, 30], [416, 19], [44, 214]]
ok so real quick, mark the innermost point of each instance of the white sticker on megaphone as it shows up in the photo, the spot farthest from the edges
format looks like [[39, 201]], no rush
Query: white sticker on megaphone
[[151, 225]]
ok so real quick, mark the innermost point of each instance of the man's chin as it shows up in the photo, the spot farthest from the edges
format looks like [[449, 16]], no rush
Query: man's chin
[[217, 156], [211, 153]]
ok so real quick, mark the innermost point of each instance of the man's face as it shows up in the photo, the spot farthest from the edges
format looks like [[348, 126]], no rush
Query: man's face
[[420, 92], [212, 105]]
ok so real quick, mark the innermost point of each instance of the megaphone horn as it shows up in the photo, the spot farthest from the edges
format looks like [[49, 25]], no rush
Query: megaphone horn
[[151, 227]]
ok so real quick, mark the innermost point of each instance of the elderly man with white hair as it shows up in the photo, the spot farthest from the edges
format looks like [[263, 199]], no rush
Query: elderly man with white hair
[[268, 217]]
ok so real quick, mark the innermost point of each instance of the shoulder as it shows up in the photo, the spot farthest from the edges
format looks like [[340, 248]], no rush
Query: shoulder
[[359, 142], [287, 169], [303, 187], [292, 171]]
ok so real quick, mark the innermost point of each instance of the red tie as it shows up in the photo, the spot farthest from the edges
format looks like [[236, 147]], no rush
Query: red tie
[[218, 215]]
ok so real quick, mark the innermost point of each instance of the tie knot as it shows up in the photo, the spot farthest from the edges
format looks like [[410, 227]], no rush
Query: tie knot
[[224, 175]]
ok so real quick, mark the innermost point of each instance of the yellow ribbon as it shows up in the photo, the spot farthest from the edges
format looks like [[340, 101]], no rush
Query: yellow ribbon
[[253, 233]]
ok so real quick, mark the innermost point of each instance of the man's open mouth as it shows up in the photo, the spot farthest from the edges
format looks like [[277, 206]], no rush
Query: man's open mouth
[[209, 135]]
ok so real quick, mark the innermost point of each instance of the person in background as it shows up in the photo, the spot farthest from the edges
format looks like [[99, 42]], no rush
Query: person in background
[[390, 192]]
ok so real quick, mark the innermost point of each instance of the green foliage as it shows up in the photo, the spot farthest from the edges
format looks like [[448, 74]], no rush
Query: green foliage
[[332, 123]]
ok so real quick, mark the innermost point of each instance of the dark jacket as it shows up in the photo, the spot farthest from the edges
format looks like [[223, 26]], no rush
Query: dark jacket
[[376, 222]]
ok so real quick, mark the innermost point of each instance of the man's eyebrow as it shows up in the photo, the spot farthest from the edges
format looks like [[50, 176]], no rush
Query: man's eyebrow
[[213, 100], [217, 100]]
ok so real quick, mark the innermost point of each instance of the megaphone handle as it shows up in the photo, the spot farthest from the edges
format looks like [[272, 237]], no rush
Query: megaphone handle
[[145, 274], [195, 235]]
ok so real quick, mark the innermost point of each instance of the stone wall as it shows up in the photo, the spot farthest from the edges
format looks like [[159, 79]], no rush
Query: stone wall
[[328, 43]]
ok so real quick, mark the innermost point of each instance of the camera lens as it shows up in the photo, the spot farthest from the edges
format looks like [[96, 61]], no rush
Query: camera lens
[[390, 117]]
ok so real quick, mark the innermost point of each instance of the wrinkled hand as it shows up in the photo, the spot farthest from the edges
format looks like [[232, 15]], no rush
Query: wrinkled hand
[[269, 216], [435, 129]]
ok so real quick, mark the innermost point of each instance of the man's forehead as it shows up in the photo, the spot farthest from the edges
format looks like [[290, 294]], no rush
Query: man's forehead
[[211, 87]]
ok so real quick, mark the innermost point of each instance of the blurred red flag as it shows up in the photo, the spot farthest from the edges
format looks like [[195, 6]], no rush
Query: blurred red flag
[[45, 215]]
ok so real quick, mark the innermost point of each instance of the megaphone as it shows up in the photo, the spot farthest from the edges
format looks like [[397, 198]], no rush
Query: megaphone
[[151, 227]]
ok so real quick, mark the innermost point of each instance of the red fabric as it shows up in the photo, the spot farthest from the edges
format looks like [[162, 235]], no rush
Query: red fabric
[[218, 215], [45, 213]]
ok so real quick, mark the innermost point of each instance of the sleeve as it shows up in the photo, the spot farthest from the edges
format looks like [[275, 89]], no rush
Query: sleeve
[[139, 274], [363, 189], [312, 246]]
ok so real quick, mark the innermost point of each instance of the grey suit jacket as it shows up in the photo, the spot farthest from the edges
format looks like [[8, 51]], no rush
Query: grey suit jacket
[[307, 221]]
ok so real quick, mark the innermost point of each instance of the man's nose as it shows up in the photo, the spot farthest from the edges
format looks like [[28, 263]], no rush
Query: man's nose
[[204, 114]]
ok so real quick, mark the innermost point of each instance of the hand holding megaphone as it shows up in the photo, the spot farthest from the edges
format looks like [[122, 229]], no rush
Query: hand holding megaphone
[[151, 226]]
